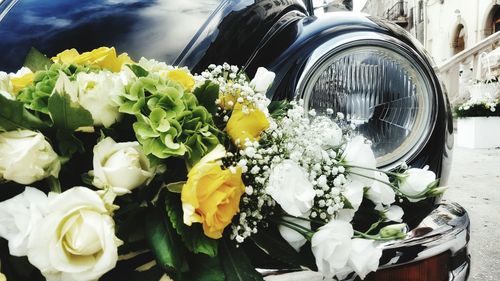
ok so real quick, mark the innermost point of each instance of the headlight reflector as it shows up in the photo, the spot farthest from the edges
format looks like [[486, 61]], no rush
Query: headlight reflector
[[383, 91]]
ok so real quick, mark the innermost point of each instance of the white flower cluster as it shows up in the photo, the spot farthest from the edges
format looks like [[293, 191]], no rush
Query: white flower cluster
[[235, 87], [486, 102]]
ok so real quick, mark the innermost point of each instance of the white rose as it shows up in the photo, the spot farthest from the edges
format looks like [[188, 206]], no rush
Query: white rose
[[18, 215], [358, 153], [289, 186], [380, 193], [364, 257], [122, 166], [5, 85], [76, 240], [331, 246], [415, 181], [262, 80], [26, 157], [99, 93], [295, 239]]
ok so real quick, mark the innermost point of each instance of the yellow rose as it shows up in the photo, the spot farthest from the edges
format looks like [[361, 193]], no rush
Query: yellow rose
[[18, 83], [246, 123], [103, 57], [181, 76], [2, 277], [211, 195]]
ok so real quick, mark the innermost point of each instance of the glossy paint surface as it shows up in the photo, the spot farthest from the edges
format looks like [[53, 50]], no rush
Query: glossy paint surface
[[158, 29]]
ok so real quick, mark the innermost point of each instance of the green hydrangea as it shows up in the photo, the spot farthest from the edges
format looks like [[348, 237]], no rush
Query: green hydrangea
[[170, 121], [36, 96]]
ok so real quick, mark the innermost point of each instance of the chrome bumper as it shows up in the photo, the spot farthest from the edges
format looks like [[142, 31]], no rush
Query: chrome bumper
[[446, 229]]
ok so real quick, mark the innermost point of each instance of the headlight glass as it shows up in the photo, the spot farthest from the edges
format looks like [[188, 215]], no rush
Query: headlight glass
[[381, 90]]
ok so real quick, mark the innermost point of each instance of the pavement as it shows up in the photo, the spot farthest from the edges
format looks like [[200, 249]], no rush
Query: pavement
[[475, 184]]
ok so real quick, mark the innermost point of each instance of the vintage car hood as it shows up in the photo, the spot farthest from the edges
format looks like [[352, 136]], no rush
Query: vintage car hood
[[156, 29], [167, 30]]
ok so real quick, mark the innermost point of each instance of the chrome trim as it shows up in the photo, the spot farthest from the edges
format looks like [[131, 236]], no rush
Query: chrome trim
[[446, 229], [331, 47]]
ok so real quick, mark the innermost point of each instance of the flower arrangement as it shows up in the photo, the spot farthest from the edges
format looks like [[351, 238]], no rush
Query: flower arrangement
[[478, 107], [116, 169]]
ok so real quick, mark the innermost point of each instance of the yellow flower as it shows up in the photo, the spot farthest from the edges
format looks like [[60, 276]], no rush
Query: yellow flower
[[103, 57], [2, 277], [211, 195], [246, 123], [18, 83], [183, 77]]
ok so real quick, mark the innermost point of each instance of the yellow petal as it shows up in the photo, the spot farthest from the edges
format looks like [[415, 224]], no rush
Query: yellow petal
[[18, 83], [247, 124], [183, 77], [66, 56]]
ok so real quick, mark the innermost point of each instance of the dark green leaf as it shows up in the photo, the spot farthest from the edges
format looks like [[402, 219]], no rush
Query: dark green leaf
[[274, 245], [205, 269], [35, 60], [165, 243], [13, 116], [237, 266], [193, 236], [68, 115], [138, 71], [207, 94], [278, 108], [68, 144]]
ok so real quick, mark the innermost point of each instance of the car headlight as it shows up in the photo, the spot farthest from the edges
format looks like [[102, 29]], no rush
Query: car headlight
[[381, 88]]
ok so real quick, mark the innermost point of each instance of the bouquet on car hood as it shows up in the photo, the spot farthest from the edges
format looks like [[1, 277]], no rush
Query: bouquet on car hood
[[116, 169]]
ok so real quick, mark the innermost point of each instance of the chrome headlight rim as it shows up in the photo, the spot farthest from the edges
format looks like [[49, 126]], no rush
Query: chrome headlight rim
[[331, 48]]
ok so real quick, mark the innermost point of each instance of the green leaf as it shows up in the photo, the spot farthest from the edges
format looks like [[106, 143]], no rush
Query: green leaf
[[68, 144], [165, 243], [278, 108], [68, 115], [207, 94], [13, 116], [193, 236], [175, 187], [237, 266], [138, 70], [35, 60], [271, 242], [207, 268]]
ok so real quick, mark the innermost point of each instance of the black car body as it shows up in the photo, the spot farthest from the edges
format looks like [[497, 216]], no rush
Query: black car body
[[346, 61]]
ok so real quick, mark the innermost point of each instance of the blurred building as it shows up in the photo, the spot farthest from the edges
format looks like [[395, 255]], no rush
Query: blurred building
[[457, 33], [445, 27]]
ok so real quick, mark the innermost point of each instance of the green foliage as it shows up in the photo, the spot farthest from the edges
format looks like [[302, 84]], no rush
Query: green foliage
[[137, 70], [67, 115], [14, 116], [35, 60], [207, 94], [271, 242], [192, 236], [170, 122], [205, 268], [165, 243], [237, 266], [476, 110], [278, 108], [36, 96]]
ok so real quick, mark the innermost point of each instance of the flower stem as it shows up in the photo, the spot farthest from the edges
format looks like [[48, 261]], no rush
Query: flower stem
[[54, 184], [305, 219], [375, 170], [359, 234], [307, 233]]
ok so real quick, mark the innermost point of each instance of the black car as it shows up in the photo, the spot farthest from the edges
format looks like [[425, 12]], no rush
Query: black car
[[367, 68]]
